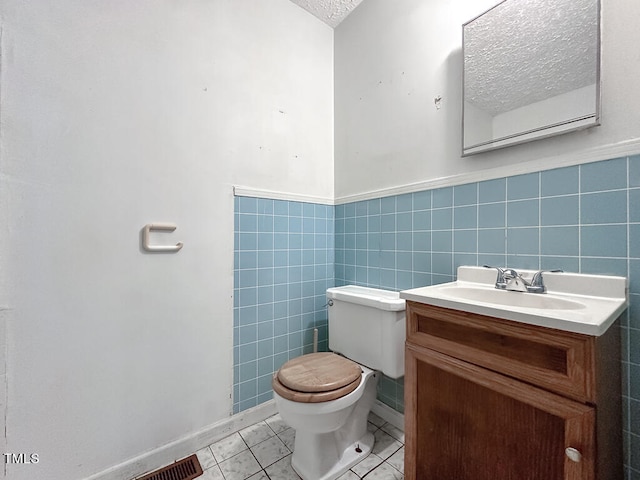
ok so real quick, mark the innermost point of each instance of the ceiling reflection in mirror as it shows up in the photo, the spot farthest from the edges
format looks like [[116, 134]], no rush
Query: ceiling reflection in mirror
[[531, 70]]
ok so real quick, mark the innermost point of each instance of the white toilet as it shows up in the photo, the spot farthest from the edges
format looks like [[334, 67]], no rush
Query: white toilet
[[327, 397]]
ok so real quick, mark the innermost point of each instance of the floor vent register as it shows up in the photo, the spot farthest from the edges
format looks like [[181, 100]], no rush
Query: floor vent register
[[185, 469]]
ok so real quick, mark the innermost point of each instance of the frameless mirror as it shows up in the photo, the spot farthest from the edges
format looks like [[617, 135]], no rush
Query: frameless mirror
[[531, 70]]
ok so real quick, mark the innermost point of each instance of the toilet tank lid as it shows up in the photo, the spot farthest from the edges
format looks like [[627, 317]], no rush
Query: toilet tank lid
[[370, 297]]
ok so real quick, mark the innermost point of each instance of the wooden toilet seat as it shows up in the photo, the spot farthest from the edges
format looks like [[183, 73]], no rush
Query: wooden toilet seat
[[316, 377]]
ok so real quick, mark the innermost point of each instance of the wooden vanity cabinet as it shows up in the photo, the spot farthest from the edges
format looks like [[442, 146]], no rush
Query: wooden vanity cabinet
[[492, 399]]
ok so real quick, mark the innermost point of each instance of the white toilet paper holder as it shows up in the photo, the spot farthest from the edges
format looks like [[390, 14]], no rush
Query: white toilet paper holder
[[162, 227]]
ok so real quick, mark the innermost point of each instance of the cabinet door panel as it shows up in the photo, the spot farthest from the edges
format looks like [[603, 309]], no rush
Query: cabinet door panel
[[474, 424]]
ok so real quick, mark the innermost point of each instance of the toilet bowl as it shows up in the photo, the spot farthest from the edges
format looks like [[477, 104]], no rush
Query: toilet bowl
[[331, 435], [327, 397]]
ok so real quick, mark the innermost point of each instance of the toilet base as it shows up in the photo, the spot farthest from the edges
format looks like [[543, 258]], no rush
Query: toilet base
[[350, 456]]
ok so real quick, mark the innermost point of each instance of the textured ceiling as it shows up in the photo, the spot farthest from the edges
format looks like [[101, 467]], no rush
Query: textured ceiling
[[524, 51], [331, 12]]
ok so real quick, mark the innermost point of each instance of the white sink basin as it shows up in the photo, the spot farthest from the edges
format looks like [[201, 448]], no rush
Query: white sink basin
[[514, 299], [579, 303]]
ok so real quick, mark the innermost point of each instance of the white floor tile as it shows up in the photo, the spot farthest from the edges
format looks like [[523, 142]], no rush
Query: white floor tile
[[240, 467], [397, 460], [288, 437], [212, 473], [282, 470], [385, 472], [349, 475], [393, 431], [228, 447], [385, 445], [276, 423], [259, 476], [376, 420], [256, 433], [366, 465], [206, 458], [371, 427], [270, 451]]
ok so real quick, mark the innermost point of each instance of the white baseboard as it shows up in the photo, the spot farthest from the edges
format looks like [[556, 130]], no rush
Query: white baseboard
[[388, 414], [183, 447]]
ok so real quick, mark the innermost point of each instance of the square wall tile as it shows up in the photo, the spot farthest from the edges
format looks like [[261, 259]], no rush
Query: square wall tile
[[603, 241], [465, 241], [465, 217], [442, 263], [465, 194], [603, 266], [560, 181], [492, 190], [528, 262], [523, 241], [442, 241], [422, 200], [523, 213], [634, 205], [559, 210], [523, 186], [492, 215], [442, 197], [492, 241], [422, 220], [560, 241], [567, 264], [388, 205], [422, 241], [634, 279], [634, 240], [442, 218], [605, 207], [600, 176], [404, 203], [634, 171]]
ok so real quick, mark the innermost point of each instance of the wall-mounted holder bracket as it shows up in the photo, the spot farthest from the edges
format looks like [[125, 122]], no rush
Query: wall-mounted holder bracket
[[161, 227]]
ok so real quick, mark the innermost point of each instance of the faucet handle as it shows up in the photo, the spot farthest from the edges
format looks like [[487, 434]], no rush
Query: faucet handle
[[500, 270], [537, 282], [500, 280]]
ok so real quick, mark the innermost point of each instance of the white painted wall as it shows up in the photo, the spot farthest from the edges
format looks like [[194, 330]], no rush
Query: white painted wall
[[116, 114], [393, 58]]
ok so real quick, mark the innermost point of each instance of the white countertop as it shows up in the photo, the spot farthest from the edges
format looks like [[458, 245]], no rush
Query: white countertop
[[587, 304]]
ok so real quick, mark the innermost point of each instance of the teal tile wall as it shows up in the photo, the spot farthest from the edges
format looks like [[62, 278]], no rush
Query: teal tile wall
[[583, 219], [283, 265]]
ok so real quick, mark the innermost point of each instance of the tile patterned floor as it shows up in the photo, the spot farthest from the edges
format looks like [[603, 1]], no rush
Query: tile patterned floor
[[263, 452]]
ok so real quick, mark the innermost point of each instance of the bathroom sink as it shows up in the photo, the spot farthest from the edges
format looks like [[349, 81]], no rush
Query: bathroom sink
[[579, 303], [515, 299]]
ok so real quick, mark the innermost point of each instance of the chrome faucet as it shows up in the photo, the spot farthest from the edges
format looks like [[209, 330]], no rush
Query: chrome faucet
[[509, 279]]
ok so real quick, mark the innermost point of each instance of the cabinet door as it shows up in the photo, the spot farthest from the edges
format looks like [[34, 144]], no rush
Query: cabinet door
[[464, 422]]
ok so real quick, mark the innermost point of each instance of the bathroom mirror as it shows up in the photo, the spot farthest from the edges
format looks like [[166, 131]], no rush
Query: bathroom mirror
[[531, 70]]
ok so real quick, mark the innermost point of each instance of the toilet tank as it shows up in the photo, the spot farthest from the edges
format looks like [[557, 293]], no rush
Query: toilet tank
[[367, 325]]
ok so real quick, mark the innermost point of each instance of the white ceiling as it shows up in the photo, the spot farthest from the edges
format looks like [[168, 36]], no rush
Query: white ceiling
[[331, 12]]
